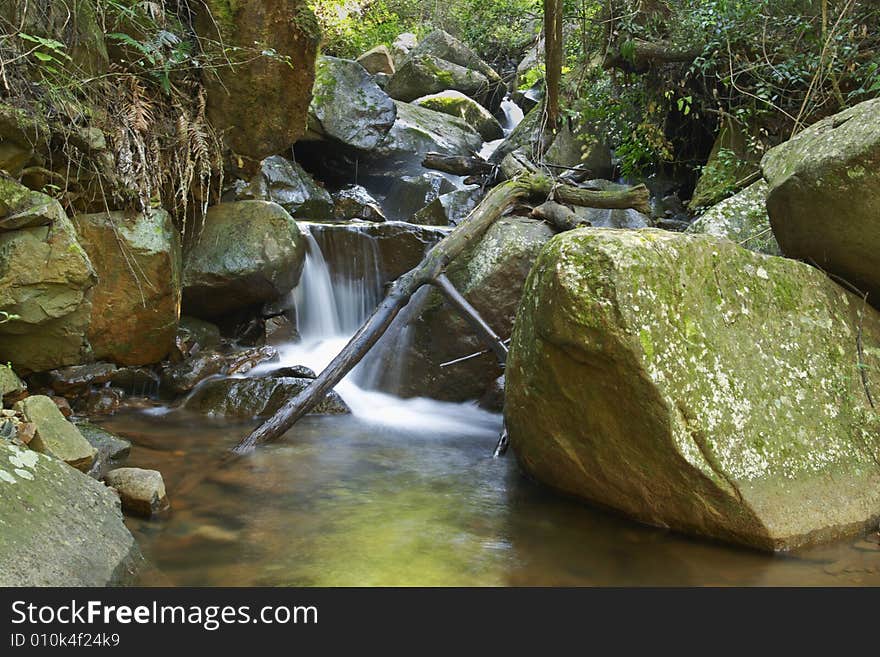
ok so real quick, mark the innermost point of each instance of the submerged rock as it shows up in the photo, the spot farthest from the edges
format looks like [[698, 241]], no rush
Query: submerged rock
[[60, 527], [55, 436], [46, 282], [349, 106], [249, 252], [692, 384], [490, 275], [377, 60], [142, 491], [824, 196], [136, 303], [286, 183], [468, 110], [743, 219], [249, 398]]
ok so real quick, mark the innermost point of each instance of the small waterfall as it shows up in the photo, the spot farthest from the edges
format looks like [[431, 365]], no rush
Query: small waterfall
[[331, 304], [512, 117]]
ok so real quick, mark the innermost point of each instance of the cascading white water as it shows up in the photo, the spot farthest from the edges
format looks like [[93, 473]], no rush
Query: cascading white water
[[330, 306], [512, 117]]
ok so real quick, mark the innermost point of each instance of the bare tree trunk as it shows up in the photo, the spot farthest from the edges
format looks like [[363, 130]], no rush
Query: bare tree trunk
[[552, 58]]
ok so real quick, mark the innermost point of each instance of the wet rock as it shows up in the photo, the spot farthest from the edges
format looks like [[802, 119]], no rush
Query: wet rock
[[528, 99], [444, 46], [493, 398], [60, 527], [525, 134], [101, 401], [195, 334], [139, 381], [628, 385], [55, 436], [422, 74], [449, 209], [377, 60], [743, 219], [63, 406], [825, 194], [260, 104], [46, 282], [250, 252], [409, 194], [569, 149], [355, 202], [279, 330], [185, 375], [295, 371], [248, 398], [142, 491], [490, 275], [111, 449], [349, 106], [286, 183], [136, 303], [78, 379], [468, 110], [10, 384], [418, 130], [244, 361]]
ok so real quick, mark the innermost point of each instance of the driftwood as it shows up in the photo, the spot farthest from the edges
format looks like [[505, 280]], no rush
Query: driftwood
[[457, 165], [430, 271]]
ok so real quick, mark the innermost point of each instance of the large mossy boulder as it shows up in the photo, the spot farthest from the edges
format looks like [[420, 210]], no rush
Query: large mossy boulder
[[824, 198], [248, 253], [248, 398], [46, 282], [741, 218], [490, 275], [693, 384], [467, 109], [419, 130], [59, 527], [349, 106], [136, 303], [423, 74], [286, 183], [261, 102]]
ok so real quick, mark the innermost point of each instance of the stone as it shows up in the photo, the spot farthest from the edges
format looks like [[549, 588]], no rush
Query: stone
[[377, 60], [10, 384], [692, 384], [355, 202], [249, 252], [142, 491], [493, 397], [260, 105], [409, 194], [731, 160], [194, 334], [569, 149], [101, 401], [59, 527], [524, 135], [449, 209], [420, 75], [78, 379], [286, 183], [349, 106], [63, 406], [46, 281], [187, 374], [111, 449], [490, 275], [55, 436], [824, 196], [250, 398], [418, 131], [295, 371], [468, 110], [741, 218], [402, 45], [138, 381], [136, 303], [606, 218]]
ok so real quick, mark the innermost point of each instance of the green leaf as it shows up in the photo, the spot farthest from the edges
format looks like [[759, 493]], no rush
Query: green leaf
[[43, 57]]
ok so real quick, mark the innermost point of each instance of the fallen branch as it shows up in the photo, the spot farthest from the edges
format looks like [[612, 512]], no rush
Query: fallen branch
[[457, 165]]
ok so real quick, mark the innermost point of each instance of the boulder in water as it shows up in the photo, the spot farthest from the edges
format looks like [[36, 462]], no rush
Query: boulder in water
[[249, 252], [55, 436], [423, 74], [743, 219], [824, 198], [60, 527], [377, 60], [142, 491], [249, 398], [693, 384], [349, 106], [286, 183], [468, 110], [136, 303], [78, 379]]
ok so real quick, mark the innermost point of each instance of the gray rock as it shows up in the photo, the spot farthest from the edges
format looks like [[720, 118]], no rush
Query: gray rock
[[377, 60], [355, 202], [59, 527], [449, 209], [78, 379], [9, 383], [111, 448], [55, 436], [423, 74], [248, 398], [605, 218], [142, 491], [286, 183], [418, 130], [409, 194], [402, 46], [467, 109], [196, 334]]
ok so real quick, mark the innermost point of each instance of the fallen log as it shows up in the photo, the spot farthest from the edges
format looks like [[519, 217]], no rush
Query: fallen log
[[431, 271], [561, 217], [457, 165]]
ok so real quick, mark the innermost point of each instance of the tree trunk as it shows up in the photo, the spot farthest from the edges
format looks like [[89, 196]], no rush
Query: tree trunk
[[552, 58], [430, 271]]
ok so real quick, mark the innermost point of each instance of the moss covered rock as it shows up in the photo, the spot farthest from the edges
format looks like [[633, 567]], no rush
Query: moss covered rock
[[247, 398], [136, 303], [730, 161], [468, 110], [743, 219], [419, 130], [824, 198], [46, 281], [261, 102], [423, 74], [249, 252], [693, 384]]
